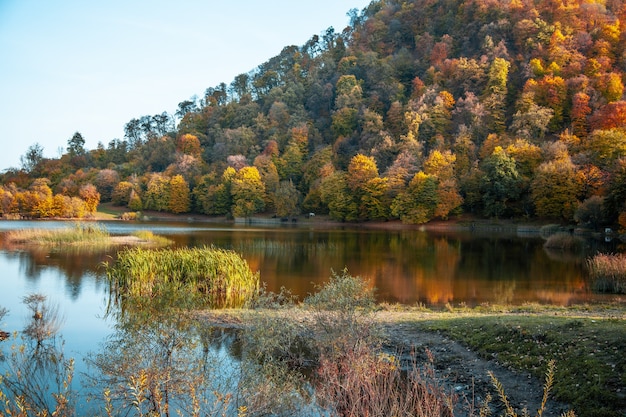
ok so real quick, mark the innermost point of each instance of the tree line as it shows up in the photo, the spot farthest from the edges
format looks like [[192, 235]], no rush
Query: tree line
[[418, 110]]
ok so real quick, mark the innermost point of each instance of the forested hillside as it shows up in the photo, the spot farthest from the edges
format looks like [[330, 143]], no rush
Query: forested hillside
[[418, 110]]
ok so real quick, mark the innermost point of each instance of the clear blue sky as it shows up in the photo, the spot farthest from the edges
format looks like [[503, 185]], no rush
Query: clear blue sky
[[86, 66]]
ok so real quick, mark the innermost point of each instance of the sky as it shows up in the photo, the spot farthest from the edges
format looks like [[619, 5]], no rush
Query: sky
[[71, 66]]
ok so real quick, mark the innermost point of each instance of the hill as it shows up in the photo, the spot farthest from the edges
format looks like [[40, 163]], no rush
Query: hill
[[419, 110]]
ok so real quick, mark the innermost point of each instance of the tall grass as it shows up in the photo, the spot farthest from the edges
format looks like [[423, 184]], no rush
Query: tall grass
[[82, 237], [85, 234], [608, 273], [219, 277]]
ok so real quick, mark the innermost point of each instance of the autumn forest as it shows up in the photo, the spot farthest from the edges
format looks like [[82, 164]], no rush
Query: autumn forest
[[418, 110]]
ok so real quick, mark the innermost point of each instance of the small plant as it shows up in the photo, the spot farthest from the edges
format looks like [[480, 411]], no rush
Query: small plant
[[608, 273], [547, 387]]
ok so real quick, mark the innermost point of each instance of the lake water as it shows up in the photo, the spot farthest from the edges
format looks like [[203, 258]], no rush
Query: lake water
[[405, 267]]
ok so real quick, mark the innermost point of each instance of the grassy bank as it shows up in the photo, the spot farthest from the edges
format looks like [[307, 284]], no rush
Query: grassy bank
[[87, 236], [586, 343], [587, 346]]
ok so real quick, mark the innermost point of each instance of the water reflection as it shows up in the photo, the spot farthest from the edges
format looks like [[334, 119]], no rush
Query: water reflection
[[407, 266]]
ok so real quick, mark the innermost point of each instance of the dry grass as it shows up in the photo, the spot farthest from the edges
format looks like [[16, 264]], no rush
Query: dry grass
[[608, 273]]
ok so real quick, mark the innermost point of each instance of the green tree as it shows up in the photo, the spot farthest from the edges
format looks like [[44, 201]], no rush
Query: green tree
[[615, 201], [157, 193], [121, 193], [500, 184], [418, 202], [212, 194], [494, 97], [32, 158], [286, 200], [335, 193], [179, 201], [248, 192]]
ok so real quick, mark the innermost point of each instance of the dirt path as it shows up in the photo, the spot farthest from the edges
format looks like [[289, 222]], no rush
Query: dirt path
[[465, 373]]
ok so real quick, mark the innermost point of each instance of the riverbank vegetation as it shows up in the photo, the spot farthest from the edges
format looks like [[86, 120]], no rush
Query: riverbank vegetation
[[608, 273], [212, 277], [418, 110], [338, 353], [85, 236]]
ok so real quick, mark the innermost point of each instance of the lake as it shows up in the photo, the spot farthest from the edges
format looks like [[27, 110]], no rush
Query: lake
[[405, 266]]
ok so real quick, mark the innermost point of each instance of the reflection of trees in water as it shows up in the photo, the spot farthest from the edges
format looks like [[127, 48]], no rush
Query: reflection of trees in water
[[74, 266], [151, 366], [37, 376]]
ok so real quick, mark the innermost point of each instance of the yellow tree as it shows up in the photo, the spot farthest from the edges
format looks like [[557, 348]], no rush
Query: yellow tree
[[248, 192], [179, 200], [90, 196], [367, 193], [555, 188]]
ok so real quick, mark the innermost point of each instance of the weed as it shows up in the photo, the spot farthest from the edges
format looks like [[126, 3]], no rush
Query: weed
[[547, 387]]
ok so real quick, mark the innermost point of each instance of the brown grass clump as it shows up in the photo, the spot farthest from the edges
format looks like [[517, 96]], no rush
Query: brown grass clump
[[608, 273]]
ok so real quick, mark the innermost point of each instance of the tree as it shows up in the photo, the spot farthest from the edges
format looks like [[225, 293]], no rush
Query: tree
[[335, 194], [615, 201], [32, 157], [105, 182], [90, 196], [500, 185], [76, 150], [591, 212], [212, 194], [555, 188], [76, 145], [248, 192], [418, 202], [157, 193], [179, 201], [189, 145], [494, 97], [606, 146], [121, 193], [286, 200]]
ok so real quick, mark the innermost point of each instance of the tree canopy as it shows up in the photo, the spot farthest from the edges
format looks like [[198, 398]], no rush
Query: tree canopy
[[418, 110]]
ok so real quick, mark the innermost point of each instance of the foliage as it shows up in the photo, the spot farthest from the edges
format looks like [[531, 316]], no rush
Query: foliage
[[411, 86], [179, 195]]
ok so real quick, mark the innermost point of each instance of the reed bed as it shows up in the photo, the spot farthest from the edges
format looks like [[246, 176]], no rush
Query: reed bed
[[608, 273], [221, 278], [79, 234], [82, 237]]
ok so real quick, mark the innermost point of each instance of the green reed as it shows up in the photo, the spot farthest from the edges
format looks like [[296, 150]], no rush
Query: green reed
[[608, 273], [219, 277]]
